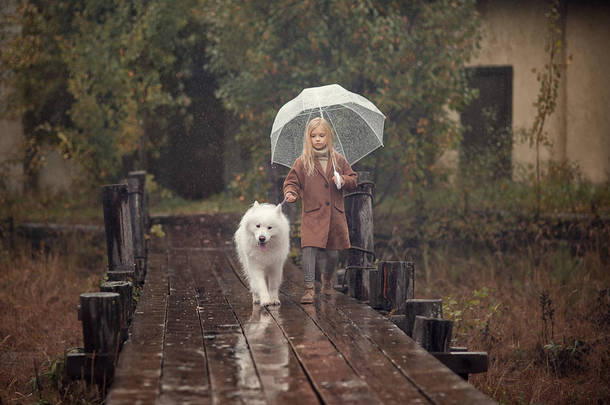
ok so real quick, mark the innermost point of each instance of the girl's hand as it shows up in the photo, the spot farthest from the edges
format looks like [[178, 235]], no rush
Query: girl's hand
[[290, 197]]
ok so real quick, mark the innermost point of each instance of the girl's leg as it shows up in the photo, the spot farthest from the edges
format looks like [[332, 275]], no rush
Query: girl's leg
[[330, 266], [309, 273], [309, 264]]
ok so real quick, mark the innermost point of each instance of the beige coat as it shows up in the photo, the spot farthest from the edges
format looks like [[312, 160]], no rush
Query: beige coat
[[323, 222]]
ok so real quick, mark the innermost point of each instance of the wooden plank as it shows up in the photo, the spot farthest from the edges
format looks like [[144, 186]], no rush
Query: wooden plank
[[327, 369], [232, 373], [185, 378], [363, 356], [137, 376], [281, 374]]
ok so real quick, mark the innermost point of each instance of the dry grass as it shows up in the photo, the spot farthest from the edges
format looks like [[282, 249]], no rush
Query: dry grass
[[544, 320], [38, 320]]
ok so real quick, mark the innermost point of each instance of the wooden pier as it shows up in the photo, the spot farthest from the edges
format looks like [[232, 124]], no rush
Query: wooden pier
[[197, 338]]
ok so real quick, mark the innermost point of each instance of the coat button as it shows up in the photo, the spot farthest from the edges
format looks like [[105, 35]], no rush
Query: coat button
[[326, 185], [327, 203]]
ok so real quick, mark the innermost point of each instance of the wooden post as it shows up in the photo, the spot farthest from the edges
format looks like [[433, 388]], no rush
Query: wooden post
[[359, 214], [141, 176], [125, 291], [432, 334], [119, 233], [391, 285], [101, 316], [422, 307], [121, 273], [137, 226]]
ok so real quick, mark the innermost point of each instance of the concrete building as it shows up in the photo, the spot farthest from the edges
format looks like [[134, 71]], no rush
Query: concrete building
[[513, 44]]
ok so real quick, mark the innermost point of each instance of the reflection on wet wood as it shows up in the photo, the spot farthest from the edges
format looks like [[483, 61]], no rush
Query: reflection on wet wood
[[281, 374], [185, 379], [233, 375]]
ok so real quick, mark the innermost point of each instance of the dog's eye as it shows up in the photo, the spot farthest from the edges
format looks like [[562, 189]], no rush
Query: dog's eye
[[269, 227], [258, 225]]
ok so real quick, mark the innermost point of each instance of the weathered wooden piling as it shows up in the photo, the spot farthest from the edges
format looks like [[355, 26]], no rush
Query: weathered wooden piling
[[391, 285], [141, 176], [432, 334], [102, 321], [119, 230], [137, 224], [122, 273], [361, 256], [125, 291], [430, 308]]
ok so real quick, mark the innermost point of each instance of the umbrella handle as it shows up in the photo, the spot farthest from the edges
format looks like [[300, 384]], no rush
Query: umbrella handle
[[335, 173], [338, 179]]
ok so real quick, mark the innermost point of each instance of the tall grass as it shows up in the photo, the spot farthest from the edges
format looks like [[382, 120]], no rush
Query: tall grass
[[544, 319], [38, 322]]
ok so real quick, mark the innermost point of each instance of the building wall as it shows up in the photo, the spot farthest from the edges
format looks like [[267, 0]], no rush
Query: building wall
[[588, 89], [514, 34]]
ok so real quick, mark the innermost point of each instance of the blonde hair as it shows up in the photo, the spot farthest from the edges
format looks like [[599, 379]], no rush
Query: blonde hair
[[308, 159]]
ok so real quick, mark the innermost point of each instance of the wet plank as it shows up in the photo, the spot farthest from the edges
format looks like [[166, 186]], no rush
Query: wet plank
[[232, 373], [332, 377], [219, 348], [436, 383], [184, 379], [363, 356], [430, 376], [282, 376], [439, 383], [136, 379]]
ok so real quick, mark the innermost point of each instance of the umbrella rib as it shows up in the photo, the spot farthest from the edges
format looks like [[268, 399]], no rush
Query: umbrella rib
[[367, 123], [275, 145], [336, 134]]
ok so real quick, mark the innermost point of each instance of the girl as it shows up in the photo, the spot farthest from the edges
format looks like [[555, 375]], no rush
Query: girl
[[323, 224]]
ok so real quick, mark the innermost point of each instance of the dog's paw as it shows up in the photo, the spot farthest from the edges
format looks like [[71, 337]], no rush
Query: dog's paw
[[270, 302]]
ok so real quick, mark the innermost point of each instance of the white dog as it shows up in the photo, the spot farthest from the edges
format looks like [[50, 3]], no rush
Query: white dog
[[263, 241]]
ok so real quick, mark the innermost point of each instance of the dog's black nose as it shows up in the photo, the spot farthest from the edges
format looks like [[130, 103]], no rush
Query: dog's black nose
[[261, 238]]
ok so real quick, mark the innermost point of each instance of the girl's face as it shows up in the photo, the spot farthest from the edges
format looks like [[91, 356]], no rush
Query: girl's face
[[319, 138]]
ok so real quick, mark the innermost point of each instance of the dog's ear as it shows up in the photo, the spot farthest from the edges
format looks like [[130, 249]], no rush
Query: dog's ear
[[255, 203], [278, 209]]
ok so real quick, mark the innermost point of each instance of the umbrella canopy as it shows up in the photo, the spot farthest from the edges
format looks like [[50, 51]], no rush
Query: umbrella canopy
[[357, 124]]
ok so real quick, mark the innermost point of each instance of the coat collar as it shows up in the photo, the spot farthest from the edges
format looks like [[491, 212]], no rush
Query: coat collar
[[329, 168]]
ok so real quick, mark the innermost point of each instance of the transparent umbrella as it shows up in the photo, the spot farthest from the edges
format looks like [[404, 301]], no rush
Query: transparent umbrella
[[357, 124]]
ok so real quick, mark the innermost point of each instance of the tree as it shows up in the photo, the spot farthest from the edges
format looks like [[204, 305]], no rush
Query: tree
[[549, 78], [406, 57], [122, 59], [33, 74], [113, 67]]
